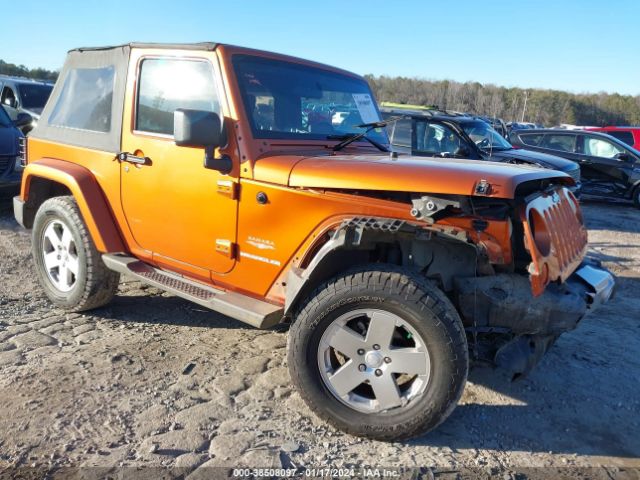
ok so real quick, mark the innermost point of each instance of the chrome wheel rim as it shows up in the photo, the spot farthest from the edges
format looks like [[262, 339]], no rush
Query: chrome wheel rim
[[60, 255], [374, 361]]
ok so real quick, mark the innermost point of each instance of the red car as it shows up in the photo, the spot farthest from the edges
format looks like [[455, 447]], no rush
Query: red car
[[628, 135]]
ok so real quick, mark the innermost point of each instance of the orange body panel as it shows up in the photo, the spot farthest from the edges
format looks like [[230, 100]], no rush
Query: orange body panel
[[407, 174], [172, 204], [173, 213], [82, 184]]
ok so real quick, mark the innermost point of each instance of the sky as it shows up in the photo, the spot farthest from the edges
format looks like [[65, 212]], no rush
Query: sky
[[573, 45]]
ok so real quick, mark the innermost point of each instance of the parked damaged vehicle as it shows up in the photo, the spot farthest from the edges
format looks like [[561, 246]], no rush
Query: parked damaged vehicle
[[454, 136], [391, 270], [11, 144], [24, 98], [610, 168]]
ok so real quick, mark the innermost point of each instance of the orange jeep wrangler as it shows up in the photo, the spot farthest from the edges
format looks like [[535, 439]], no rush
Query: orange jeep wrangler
[[261, 186]]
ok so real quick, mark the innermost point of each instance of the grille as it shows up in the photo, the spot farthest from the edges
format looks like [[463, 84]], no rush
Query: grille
[[556, 238], [22, 150]]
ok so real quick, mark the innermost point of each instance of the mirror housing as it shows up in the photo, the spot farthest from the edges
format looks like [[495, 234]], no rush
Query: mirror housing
[[200, 128], [23, 119], [623, 156]]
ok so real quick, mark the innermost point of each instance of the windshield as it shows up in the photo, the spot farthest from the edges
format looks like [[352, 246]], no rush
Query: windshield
[[291, 101], [34, 96], [5, 121], [485, 136]]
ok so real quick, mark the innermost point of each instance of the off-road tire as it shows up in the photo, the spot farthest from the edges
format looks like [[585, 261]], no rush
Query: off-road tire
[[95, 284], [418, 301]]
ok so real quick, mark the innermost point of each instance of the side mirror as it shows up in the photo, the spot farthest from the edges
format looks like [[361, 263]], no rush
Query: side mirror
[[622, 156], [199, 128], [23, 119]]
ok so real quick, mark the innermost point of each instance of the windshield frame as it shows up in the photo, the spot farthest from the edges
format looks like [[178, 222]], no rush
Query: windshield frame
[[464, 125], [309, 69]]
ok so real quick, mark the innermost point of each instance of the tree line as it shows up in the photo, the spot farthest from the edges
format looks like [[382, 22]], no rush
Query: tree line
[[22, 71], [547, 107]]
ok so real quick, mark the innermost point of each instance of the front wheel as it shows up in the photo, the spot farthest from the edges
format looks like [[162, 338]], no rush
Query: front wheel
[[636, 197], [379, 352], [69, 267]]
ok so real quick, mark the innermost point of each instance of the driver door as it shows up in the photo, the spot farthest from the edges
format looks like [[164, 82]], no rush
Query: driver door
[[173, 205], [599, 162]]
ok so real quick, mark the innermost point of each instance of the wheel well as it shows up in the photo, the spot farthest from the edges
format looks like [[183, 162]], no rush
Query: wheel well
[[41, 189], [435, 256]]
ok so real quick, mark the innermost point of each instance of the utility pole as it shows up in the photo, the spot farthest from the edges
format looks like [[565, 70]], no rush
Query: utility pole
[[524, 107]]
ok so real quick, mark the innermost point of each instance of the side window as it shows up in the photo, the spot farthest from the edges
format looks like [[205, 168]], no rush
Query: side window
[[168, 84], [626, 137], [85, 100], [436, 138], [402, 133], [8, 97], [532, 139], [598, 147], [562, 143]]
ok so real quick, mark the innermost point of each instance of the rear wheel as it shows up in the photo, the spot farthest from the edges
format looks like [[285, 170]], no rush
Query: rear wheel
[[379, 352], [69, 267]]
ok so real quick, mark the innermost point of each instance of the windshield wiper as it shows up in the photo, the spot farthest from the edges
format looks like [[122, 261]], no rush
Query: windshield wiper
[[348, 139]]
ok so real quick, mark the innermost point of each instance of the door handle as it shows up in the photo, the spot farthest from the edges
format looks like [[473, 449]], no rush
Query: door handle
[[131, 158]]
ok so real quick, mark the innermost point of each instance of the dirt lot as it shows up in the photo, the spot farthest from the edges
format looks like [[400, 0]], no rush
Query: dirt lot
[[154, 380]]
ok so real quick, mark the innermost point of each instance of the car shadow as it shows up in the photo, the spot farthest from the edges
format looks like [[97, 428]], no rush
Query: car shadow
[[597, 252], [616, 216], [152, 307], [580, 399]]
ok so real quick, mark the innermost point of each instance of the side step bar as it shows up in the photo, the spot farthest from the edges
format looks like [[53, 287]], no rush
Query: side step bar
[[240, 307]]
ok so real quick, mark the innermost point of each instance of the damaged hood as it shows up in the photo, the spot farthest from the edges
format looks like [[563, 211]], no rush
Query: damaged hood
[[404, 173], [542, 159]]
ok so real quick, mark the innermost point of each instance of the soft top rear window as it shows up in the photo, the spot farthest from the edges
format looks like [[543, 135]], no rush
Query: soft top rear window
[[85, 100]]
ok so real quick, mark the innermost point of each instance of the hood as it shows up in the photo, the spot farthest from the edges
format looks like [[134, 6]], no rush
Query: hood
[[9, 141], [542, 159], [404, 174]]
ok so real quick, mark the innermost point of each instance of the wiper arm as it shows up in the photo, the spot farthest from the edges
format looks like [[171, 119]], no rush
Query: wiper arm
[[348, 139]]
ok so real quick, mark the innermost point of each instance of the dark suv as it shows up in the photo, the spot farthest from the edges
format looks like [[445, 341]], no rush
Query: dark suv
[[10, 145], [463, 136], [24, 96], [610, 167]]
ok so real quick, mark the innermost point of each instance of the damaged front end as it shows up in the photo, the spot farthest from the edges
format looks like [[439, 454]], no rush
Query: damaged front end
[[512, 328], [514, 318]]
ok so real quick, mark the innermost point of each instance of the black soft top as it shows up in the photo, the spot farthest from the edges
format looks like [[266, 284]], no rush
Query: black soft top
[[203, 46]]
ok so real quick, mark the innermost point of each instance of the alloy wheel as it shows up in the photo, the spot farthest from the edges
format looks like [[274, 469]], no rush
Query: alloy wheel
[[60, 255], [373, 361]]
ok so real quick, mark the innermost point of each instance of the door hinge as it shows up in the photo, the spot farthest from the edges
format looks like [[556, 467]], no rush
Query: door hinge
[[226, 247], [228, 188]]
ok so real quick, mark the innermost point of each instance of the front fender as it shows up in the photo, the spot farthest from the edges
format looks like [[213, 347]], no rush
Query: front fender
[[87, 193]]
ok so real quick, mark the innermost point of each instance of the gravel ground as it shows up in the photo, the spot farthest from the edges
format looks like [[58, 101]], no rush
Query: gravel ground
[[152, 380]]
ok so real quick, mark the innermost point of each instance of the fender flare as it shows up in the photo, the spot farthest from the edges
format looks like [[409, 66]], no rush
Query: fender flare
[[348, 232], [85, 190]]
